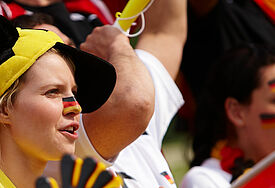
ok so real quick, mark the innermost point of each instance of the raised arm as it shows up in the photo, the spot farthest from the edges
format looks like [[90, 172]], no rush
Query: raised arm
[[126, 114], [165, 34]]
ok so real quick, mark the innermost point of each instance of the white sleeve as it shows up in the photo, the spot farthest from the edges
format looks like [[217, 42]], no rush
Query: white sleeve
[[168, 98], [198, 177]]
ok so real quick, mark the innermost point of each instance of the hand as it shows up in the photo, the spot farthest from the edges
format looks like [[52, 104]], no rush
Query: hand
[[77, 173], [106, 42]]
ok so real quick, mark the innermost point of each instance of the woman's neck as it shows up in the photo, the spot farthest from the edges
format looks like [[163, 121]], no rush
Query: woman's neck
[[37, 3], [22, 169], [252, 150]]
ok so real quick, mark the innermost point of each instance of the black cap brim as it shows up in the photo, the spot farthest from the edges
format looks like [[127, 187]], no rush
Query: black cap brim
[[94, 77]]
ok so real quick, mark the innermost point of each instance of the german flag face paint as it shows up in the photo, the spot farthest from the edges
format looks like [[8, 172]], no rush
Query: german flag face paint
[[166, 175], [272, 85], [71, 106], [268, 121]]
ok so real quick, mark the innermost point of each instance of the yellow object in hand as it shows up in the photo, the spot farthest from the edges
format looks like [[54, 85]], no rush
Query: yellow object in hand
[[132, 9]]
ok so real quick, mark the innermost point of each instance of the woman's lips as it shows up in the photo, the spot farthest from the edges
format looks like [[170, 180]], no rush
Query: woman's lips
[[70, 131], [72, 135]]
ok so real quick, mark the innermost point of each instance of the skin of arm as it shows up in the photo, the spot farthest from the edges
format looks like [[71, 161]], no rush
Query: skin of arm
[[128, 111], [165, 34], [126, 114]]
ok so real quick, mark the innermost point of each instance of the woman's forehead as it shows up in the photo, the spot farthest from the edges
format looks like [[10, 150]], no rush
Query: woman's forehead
[[49, 66]]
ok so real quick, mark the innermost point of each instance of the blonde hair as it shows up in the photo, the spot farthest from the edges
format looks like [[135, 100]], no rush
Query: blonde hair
[[7, 99]]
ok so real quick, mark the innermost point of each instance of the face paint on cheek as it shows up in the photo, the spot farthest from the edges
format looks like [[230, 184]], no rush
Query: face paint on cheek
[[268, 121], [272, 85], [71, 106]]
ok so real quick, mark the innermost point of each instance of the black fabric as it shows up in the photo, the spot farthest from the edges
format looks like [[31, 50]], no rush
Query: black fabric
[[5, 55], [145, 133], [8, 37], [76, 30], [8, 34], [67, 168], [88, 168], [123, 175], [95, 78], [42, 182], [229, 24], [103, 179]]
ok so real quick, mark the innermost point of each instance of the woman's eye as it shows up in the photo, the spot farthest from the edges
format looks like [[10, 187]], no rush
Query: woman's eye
[[52, 92]]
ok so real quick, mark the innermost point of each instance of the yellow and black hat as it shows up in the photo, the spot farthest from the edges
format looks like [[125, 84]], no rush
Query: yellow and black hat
[[20, 48]]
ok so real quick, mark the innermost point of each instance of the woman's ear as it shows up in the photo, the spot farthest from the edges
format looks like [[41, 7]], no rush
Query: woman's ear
[[4, 116], [234, 111]]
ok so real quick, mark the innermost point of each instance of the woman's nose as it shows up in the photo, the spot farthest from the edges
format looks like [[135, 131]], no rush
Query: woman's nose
[[70, 105]]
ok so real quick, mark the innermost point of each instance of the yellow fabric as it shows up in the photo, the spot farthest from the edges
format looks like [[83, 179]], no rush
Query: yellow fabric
[[77, 171], [270, 4], [53, 183], [116, 182], [30, 45], [132, 8], [245, 171], [99, 168], [5, 181], [216, 150]]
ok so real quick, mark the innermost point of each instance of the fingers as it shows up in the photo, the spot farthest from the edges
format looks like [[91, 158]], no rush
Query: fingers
[[67, 167], [103, 41], [77, 172], [95, 175], [107, 180], [89, 167], [44, 182], [81, 174]]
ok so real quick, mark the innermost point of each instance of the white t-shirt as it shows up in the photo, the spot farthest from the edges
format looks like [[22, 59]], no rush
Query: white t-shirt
[[142, 163], [208, 175]]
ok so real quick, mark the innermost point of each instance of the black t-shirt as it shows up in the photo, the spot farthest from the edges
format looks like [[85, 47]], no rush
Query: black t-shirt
[[77, 29], [230, 23]]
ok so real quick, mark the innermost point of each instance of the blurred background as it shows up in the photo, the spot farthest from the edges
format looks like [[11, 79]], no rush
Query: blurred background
[[177, 148]]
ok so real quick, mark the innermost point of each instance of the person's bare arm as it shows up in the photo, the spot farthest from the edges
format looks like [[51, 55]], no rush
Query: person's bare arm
[[165, 34], [202, 7], [128, 111]]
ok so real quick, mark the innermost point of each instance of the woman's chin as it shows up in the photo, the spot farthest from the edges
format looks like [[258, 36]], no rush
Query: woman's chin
[[61, 153], [68, 150]]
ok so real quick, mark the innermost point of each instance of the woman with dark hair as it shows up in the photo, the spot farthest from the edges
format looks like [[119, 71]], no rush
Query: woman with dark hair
[[234, 126]]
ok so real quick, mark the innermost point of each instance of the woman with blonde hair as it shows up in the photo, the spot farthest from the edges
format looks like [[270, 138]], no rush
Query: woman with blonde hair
[[40, 80]]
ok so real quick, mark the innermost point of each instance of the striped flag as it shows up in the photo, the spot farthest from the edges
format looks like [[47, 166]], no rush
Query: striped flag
[[272, 85], [166, 175], [71, 105], [268, 121]]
